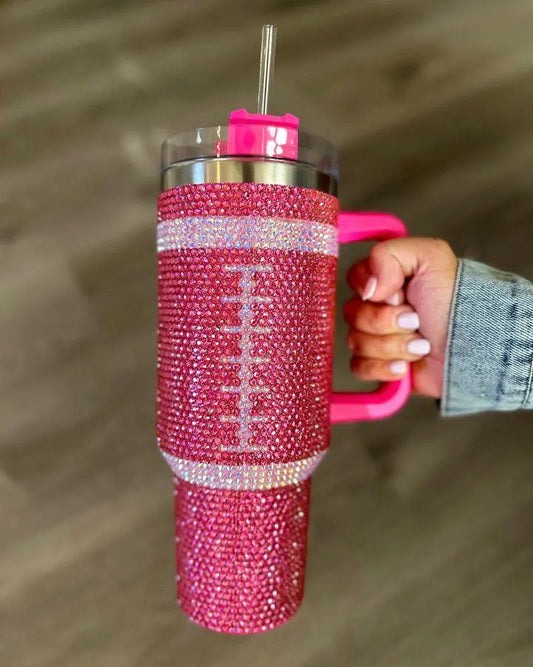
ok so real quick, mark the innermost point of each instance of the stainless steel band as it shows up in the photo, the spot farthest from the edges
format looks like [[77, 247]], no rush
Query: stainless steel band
[[248, 170]]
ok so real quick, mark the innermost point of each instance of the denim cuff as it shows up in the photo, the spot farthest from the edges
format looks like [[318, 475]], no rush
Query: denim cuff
[[489, 352]]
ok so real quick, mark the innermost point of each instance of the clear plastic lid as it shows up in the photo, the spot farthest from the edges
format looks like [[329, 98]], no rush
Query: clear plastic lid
[[211, 142]]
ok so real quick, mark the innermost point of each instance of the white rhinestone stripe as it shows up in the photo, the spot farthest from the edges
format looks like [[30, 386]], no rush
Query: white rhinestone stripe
[[246, 359], [247, 232], [243, 477]]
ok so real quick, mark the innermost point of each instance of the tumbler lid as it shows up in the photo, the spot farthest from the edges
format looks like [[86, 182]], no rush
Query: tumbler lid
[[252, 137], [212, 142]]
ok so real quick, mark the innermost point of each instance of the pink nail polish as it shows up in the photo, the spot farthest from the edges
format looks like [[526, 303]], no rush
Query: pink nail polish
[[398, 367], [408, 321], [370, 288], [419, 346], [393, 300]]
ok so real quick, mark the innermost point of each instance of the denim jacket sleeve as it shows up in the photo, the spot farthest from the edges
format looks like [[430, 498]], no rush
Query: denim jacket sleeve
[[489, 355]]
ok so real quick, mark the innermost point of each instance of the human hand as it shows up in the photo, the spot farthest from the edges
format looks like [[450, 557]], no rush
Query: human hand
[[393, 321]]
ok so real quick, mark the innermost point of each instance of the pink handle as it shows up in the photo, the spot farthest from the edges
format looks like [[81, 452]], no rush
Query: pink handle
[[389, 397]]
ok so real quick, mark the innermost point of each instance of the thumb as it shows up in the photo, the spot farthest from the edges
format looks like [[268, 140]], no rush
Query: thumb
[[389, 265]]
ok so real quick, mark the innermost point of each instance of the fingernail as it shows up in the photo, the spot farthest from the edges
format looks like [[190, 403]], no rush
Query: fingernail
[[409, 321], [370, 288], [393, 300], [418, 346], [398, 367]]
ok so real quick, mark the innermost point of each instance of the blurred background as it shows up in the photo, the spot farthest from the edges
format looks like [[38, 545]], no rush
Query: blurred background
[[421, 548]]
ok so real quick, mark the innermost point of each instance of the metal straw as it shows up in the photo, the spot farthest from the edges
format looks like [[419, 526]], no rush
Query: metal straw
[[266, 66]]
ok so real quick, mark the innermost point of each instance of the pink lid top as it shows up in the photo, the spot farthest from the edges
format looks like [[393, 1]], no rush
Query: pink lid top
[[265, 135]]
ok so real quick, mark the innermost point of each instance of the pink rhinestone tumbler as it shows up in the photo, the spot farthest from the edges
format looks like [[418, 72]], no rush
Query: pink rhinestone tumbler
[[245, 344], [246, 310], [248, 234]]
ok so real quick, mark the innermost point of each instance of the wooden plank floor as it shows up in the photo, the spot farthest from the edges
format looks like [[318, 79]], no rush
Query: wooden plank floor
[[421, 551]]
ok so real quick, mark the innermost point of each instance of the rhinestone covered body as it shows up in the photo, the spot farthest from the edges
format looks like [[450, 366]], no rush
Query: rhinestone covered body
[[246, 276]]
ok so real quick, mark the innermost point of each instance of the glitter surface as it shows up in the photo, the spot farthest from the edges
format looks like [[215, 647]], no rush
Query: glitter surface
[[243, 477], [244, 382], [248, 199], [240, 555], [247, 232]]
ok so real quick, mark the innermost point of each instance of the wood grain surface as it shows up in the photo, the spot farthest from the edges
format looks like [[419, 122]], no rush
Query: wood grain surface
[[421, 551]]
